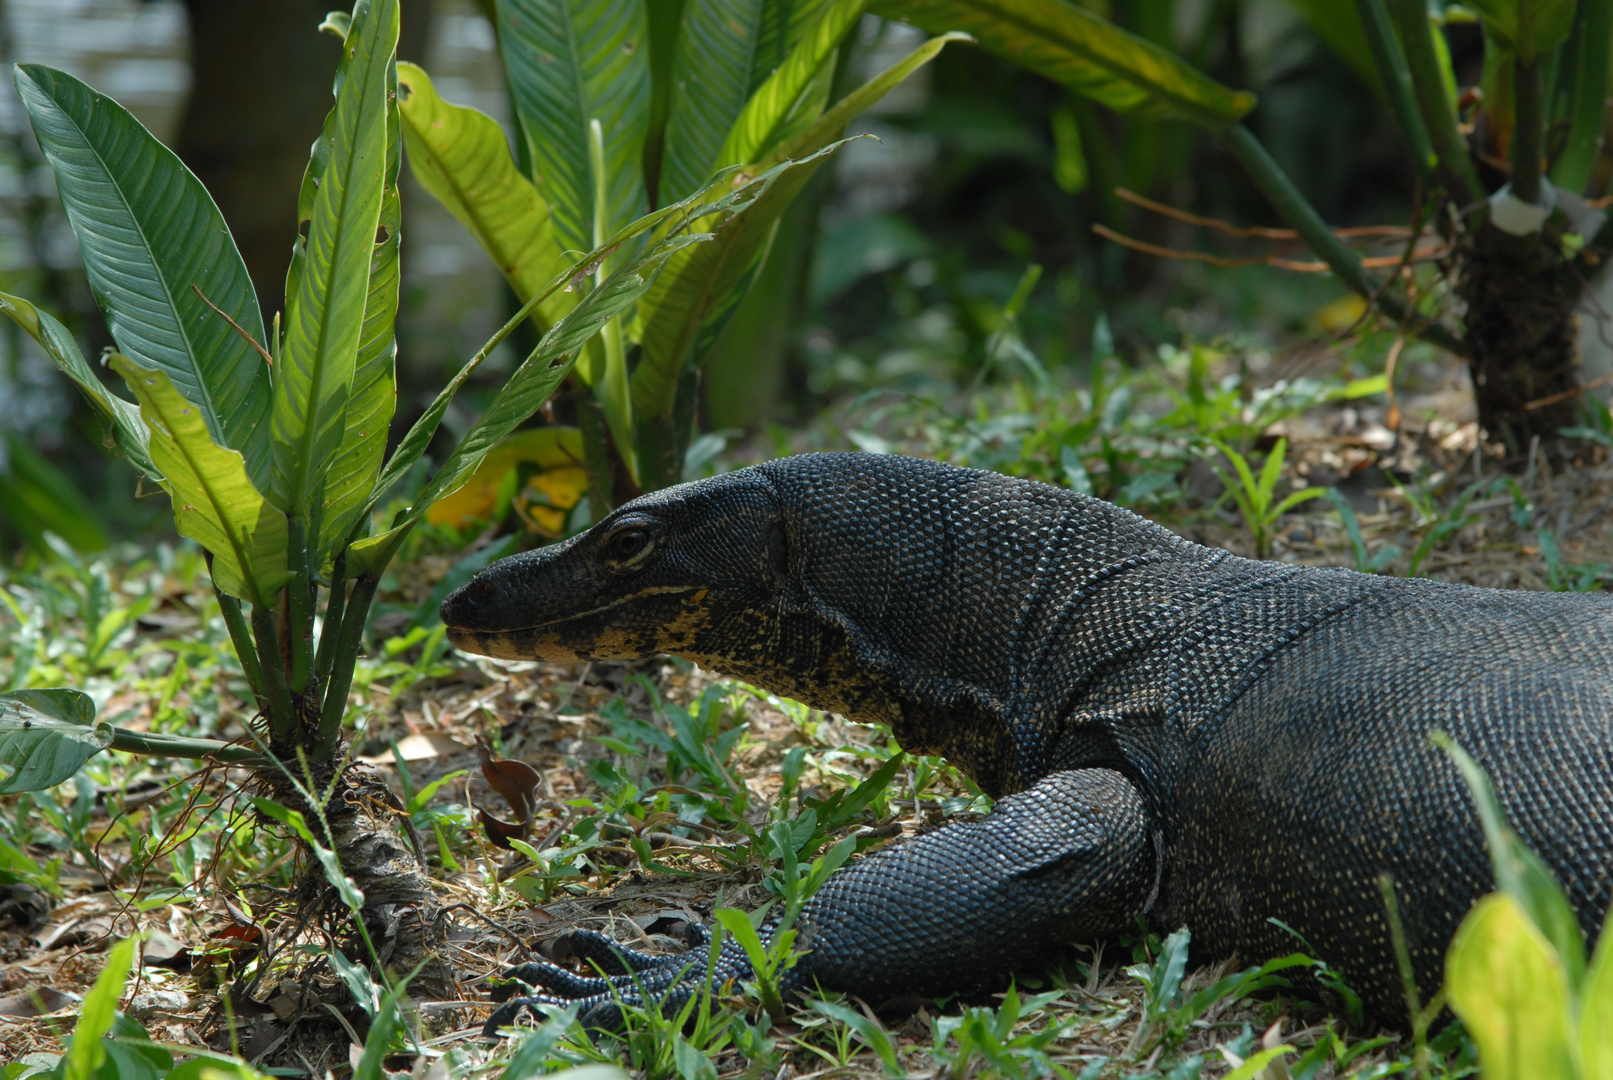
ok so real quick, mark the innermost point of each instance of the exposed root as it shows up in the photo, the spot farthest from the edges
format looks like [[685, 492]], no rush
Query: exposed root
[[402, 915]]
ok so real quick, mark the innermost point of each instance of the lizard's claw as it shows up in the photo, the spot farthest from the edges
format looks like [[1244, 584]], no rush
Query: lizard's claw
[[631, 978]]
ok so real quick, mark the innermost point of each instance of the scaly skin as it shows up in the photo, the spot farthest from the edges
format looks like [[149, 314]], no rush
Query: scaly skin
[[1171, 730]]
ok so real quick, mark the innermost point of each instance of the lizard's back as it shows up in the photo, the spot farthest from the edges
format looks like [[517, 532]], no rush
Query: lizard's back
[[1320, 776]]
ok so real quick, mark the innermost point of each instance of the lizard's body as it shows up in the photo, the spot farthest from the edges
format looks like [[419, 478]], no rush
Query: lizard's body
[[1171, 729]]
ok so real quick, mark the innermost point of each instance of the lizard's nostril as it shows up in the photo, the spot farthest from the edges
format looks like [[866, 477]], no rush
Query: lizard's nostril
[[480, 590]]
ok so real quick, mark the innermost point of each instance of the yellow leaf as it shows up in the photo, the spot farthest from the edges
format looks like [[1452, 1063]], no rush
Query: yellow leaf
[[556, 450], [1508, 985]]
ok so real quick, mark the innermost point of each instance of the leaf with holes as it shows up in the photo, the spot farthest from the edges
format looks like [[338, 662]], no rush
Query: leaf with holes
[[330, 284], [45, 736]]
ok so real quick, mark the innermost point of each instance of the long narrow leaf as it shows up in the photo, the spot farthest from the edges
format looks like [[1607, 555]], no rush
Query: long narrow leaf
[[129, 434], [373, 396], [700, 289], [1083, 51], [95, 1018], [460, 156], [147, 231], [728, 51], [527, 389], [325, 314], [570, 62], [1519, 872], [1593, 42], [705, 284], [714, 72], [215, 503], [656, 226], [774, 104]]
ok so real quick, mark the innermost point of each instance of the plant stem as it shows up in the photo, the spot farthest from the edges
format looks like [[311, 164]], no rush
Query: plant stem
[[1439, 112], [241, 637], [300, 608], [334, 605], [1398, 85], [282, 717], [155, 744], [355, 615], [1593, 35], [1528, 131], [1275, 185]]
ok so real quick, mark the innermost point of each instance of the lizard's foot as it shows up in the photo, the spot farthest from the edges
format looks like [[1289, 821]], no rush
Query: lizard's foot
[[630, 978]]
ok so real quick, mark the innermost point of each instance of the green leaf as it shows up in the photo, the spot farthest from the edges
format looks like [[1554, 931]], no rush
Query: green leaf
[[1304, 495], [529, 387], [129, 434], [1591, 45], [1507, 983], [1519, 872], [384, 1027], [460, 156], [570, 62], [729, 51], [373, 396], [325, 309], [1253, 1066], [1545, 23], [147, 231], [828, 127], [96, 1016], [36, 497], [691, 303], [419, 435], [45, 737], [1085, 52], [215, 503], [780, 99], [715, 70], [1596, 1014]]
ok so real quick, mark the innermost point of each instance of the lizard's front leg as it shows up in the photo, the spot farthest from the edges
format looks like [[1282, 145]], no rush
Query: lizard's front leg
[[1071, 857]]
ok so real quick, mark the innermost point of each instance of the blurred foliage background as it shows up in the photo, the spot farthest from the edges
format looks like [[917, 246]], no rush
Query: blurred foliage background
[[895, 272]]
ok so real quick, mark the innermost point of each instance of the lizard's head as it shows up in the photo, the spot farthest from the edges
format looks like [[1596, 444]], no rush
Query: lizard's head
[[688, 570]]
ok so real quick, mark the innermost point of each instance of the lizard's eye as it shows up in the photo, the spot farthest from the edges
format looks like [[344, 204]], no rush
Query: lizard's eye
[[629, 548]]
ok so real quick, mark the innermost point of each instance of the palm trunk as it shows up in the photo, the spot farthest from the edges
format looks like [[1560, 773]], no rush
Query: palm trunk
[[1521, 328]]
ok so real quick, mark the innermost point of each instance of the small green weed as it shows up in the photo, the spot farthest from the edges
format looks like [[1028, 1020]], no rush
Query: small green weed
[[1256, 496]]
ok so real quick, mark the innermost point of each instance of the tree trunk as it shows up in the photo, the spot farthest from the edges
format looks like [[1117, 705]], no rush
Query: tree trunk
[[1521, 325]]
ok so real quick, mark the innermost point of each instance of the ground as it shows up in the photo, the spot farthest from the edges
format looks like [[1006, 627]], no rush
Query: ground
[[658, 791]]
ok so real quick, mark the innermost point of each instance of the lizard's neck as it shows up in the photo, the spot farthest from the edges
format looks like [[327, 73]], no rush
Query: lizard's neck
[[944, 618]]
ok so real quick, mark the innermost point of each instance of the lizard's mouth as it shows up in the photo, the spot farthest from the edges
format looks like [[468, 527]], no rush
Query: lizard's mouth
[[595, 634]]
